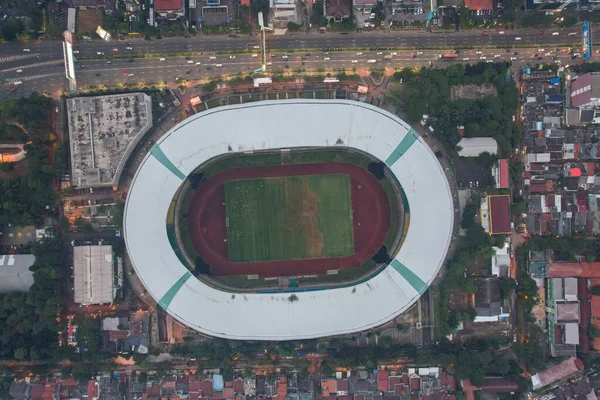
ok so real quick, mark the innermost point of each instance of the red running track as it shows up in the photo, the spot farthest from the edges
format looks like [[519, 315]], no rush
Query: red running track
[[206, 219]]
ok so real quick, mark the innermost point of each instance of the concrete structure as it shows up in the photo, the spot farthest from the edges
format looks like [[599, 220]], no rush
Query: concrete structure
[[365, 6], [15, 275], [169, 9], [283, 11], [585, 91], [103, 131], [473, 147], [273, 125], [93, 274]]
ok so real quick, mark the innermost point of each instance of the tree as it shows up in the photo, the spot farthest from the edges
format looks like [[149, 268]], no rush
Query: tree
[[507, 285], [468, 285], [11, 28], [293, 27]]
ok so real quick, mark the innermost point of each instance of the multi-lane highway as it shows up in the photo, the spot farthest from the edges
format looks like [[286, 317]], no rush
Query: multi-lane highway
[[38, 65], [50, 77]]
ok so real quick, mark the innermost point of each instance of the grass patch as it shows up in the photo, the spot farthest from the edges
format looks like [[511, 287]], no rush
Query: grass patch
[[242, 161], [323, 156], [287, 218]]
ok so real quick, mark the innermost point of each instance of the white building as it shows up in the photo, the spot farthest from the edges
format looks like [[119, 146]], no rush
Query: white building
[[283, 11], [15, 275], [473, 147], [93, 274]]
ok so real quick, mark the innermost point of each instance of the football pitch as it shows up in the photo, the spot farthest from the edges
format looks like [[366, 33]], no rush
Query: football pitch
[[289, 218]]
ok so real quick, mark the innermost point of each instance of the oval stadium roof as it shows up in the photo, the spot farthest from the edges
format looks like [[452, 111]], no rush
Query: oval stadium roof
[[275, 125]]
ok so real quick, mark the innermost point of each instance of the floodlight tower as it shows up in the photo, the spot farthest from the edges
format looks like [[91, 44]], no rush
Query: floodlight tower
[[263, 43], [69, 62]]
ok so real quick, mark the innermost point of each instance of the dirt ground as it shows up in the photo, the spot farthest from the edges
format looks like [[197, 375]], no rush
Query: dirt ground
[[21, 168], [473, 92], [88, 20]]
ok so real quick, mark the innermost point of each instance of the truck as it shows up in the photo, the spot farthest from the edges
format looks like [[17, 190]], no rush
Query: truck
[[448, 56]]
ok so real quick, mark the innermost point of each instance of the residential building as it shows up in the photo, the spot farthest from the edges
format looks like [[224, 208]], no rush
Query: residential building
[[556, 373], [283, 11], [563, 316], [585, 91], [338, 10], [481, 7], [489, 304], [169, 9], [500, 172], [364, 6]]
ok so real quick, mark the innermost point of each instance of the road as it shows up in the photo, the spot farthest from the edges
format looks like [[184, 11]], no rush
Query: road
[[42, 77]]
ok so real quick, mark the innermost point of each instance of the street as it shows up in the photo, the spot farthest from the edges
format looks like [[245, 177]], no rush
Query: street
[[51, 79]]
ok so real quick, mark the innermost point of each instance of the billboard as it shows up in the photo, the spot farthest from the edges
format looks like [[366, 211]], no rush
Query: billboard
[[586, 37]]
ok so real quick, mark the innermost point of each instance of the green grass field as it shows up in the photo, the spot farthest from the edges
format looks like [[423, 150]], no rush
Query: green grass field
[[295, 217]]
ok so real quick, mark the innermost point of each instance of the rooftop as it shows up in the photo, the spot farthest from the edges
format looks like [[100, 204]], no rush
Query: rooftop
[[93, 274], [15, 275], [103, 131], [499, 209], [168, 5], [311, 123]]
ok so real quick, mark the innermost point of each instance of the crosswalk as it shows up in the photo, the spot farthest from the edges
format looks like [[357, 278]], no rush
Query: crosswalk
[[14, 58], [28, 78]]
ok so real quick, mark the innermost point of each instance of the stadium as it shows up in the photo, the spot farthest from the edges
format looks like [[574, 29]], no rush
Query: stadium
[[289, 211]]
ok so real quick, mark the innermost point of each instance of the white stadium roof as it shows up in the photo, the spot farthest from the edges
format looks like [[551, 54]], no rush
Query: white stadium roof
[[286, 124]]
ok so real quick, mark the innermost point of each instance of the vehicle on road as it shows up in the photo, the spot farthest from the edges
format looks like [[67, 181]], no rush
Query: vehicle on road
[[572, 34], [218, 65], [130, 75], [19, 71], [232, 57], [26, 50], [162, 59], [198, 63], [190, 62], [17, 83], [513, 58], [208, 68], [212, 58], [466, 59], [359, 54], [254, 55], [56, 109], [82, 66], [98, 74], [115, 49], [501, 33], [388, 57], [13, 89], [485, 34], [518, 38], [128, 48], [109, 62], [447, 56], [124, 70], [354, 61], [100, 53], [393, 54], [555, 33], [540, 32], [75, 51], [256, 47], [379, 53], [483, 58], [326, 58], [371, 61], [479, 52]]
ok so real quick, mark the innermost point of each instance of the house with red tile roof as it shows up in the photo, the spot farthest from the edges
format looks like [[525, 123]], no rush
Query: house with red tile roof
[[383, 382], [169, 9], [328, 387]]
